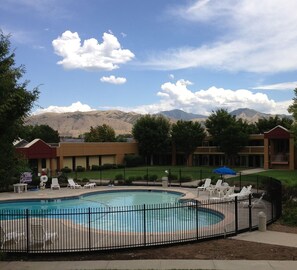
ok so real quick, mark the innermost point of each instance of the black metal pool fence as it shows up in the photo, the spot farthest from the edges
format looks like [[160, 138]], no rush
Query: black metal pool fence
[[76, 230]]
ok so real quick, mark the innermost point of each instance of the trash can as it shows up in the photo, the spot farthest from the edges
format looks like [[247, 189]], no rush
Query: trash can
[[165, 182], [262, 221]]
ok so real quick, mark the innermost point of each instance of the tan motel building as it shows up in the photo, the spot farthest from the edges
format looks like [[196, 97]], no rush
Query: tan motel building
[[274, 149]]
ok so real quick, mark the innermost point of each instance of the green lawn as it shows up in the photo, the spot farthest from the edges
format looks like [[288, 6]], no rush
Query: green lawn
[[287, 177]]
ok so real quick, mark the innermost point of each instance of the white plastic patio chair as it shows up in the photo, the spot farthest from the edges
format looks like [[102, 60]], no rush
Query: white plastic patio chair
[[257, 203], [205, 185], [89, 185], [10, 236], [40, 236], [72, 184], [55, 183]]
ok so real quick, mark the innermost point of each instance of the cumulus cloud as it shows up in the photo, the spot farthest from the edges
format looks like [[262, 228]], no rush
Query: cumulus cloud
[[278, 86], [74, 107], [179, 96], [113, 80], [90, 55], [255, 37]]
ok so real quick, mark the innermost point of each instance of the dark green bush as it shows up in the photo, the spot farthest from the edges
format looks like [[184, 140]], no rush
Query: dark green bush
[[95, 167], [289, 216], [66, 170], [80, 169], [63, 178], [118, 177], [133, 160], [153, 177], [172, 177], [129, 180], [138, 178], [108, 166]]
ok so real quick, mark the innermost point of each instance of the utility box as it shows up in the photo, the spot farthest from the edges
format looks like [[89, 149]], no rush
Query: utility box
[[262, 221], [165, 182]]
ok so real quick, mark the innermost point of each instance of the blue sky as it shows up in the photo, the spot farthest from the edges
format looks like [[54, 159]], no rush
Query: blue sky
[[147, 56]]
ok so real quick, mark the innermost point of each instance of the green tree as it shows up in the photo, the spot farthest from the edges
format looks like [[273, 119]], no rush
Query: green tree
[[186, 136], [293, 110], [152, 134], [293, 107], [227, 133], [15, 104], [43, 132], [103, 133], [266, 124]]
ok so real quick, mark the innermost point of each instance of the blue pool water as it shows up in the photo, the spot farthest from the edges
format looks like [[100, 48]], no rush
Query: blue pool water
[[130, 211]]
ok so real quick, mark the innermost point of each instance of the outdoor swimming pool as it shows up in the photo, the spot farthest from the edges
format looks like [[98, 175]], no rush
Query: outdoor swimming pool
[[121, 211]]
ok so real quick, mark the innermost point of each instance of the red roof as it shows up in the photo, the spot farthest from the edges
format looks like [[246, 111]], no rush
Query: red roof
[[277, 132], [37, 149]]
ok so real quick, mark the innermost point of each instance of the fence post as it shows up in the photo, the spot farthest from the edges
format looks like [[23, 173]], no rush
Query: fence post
[[124, 174], [240, 180], [200, 174], [197, 223], [236, 216], [28, 230], [144, 225], [89, 217], [250, 212]]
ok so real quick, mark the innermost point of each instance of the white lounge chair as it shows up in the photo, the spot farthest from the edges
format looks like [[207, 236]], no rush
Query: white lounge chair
[[244, 192], [215, 188], [40, 236], [90, 185], [55, 183], [206, 185], [10, 236], [257, 203], [224, 196], [72, 184]]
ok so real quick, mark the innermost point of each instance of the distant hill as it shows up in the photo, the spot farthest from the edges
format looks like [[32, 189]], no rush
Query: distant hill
[[181, 115], [76, 123]]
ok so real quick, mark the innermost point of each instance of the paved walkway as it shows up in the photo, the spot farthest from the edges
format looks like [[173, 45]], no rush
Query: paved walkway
[[153, 264]]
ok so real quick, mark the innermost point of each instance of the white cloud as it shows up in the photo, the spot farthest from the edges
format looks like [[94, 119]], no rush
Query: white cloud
[[179, 96], [257, 36], [77, 106], [113, 80], [278, 86], [90, 55]]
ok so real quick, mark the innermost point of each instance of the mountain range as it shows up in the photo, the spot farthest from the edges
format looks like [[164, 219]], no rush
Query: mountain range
[[73, 124]]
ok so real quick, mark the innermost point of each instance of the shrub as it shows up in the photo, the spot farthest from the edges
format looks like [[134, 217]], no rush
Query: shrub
[[130, 180], [95, 167], [63, 178], [289, 216], [118, 177], [108, 166], [66, 170], [133, 160], [138, 178], [172, 177], [80, 169], [153, 177]]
